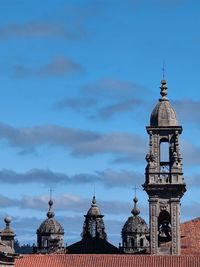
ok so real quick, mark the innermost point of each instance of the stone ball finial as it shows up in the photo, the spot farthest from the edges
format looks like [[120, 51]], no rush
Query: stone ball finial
[[50, 202], [163, 90], [50, 213], [135, 211], [7, 220]]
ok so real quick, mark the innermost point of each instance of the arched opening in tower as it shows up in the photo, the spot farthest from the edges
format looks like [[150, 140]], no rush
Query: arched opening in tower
[[164, 155], [164, 227], [93, 228]]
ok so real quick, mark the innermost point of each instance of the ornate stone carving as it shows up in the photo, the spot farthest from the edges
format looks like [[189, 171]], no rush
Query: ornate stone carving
[[163, 205]]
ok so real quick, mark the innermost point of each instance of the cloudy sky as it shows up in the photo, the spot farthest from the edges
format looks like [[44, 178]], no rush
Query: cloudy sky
[[78, 81]]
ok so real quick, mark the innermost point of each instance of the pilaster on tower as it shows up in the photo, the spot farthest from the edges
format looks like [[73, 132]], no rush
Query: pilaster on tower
[[164, 182]]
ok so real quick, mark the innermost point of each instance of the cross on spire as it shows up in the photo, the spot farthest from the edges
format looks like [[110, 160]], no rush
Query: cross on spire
[[51, 192], [164, 70], [135, 211], [135, 188], [94, 190]]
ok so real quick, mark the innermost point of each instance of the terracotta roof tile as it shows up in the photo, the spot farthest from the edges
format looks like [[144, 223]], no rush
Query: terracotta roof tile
[[190, 237], [88, 260], [190, 255]]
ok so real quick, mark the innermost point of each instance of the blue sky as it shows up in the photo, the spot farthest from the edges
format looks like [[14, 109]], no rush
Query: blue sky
[[78, 81]]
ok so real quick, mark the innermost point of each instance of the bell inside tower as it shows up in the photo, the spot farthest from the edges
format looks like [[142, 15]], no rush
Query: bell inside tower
[[164, 227]]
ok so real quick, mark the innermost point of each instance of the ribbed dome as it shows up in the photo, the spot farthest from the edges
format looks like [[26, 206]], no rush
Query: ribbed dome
[[50, 225], [163, 114], [135, 224], [94, 209]]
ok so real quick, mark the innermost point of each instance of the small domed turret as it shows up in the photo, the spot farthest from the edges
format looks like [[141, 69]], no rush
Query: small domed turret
[[134, 232], [50, 233]]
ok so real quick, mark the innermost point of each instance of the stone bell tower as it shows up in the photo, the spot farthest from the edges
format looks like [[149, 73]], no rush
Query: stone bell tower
[[164, 177]]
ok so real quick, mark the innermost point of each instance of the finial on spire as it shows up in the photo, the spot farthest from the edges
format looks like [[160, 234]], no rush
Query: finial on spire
[[163, 87], [163, 90], [50, 213], [94, 202], [135, 211]]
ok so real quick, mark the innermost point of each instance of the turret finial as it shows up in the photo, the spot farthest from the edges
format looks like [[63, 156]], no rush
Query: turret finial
[[163, 90], [50, 213], [94, 202], [7, 221], [163, 87], [135, 211]]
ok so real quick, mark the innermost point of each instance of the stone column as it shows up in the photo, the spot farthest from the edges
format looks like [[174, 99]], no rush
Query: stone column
[[153, 218], [175, 222]]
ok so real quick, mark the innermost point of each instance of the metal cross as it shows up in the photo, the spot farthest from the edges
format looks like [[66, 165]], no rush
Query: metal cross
[[50, 192], [164, 69], [94, 190], [135, 189]]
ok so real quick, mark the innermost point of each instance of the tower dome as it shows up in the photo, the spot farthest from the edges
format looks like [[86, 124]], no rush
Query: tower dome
[[94, 209], [50, 225], [134, 232], [50, 233], [163, 114]]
